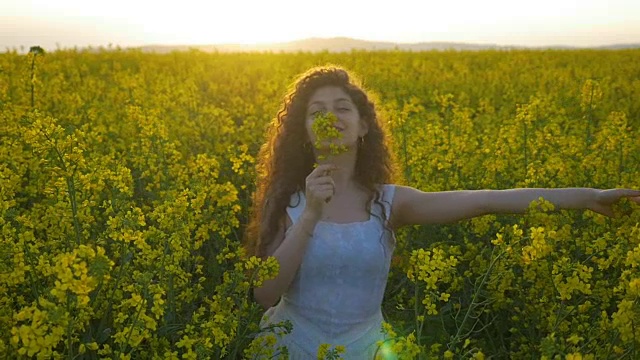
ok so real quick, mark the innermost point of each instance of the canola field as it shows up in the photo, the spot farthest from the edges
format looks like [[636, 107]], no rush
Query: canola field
[[126, 179]]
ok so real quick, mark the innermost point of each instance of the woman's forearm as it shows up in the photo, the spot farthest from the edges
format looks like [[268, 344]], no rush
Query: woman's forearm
[[289, 255], [516, 201]]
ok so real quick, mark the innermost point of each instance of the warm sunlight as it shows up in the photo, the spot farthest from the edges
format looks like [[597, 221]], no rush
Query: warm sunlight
[[132, 23]]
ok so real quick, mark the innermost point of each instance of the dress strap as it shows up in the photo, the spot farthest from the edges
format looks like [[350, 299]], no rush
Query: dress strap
[[385, 199], [388, 190], [296, 205]]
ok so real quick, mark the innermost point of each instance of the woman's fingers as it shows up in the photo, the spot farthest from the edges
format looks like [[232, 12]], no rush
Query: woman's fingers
[[324, 191], [320, 185], [626, 192], [607, 199], [323, 170], [612, 195], [318, 180], [321, 175], [633, 195]]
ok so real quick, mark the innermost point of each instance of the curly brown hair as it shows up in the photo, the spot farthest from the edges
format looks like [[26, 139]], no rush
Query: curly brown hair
[[286, 158]]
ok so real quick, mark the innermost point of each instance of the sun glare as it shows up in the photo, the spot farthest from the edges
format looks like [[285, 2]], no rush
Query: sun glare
[[204, 22], [251, 22], [238, 22], [179, 22], [209, 25]]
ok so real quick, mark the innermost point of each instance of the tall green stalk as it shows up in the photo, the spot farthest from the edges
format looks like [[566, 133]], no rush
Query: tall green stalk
[[35, 51]]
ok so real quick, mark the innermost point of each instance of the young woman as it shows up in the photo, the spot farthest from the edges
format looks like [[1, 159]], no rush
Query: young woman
[[331, 226]]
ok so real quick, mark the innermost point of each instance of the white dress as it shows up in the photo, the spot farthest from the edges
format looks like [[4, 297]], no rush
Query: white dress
[[337, 292]]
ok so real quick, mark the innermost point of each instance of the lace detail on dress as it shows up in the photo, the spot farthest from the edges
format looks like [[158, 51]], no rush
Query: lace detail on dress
[[337, 293]]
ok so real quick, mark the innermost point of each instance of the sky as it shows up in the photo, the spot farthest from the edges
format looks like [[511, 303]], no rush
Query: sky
[[68, 23]]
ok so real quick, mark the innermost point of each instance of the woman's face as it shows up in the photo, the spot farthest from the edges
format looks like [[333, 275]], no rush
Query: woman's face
[[335, 100]]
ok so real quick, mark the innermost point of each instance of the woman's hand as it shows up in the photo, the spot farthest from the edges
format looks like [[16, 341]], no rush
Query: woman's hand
[[319, 188], [604, 200]]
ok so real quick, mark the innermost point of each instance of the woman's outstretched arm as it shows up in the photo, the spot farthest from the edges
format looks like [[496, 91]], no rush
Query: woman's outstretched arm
[[412, 206]]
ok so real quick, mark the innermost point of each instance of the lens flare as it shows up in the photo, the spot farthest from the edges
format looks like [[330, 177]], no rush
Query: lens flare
[[385, 352]]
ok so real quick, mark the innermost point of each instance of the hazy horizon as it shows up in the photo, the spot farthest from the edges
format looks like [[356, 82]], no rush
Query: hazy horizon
[[71, 23]]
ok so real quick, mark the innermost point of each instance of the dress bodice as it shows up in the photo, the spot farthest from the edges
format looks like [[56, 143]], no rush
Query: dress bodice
[[338, 289]]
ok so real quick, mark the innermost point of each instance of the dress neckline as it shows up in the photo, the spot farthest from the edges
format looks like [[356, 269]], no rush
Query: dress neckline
[[361, 222]]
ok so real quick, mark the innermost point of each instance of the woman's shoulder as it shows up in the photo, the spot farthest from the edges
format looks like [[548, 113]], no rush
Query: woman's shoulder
[[386, 190]]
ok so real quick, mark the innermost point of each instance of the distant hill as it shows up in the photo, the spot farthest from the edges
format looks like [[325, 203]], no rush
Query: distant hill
[[344, 44]]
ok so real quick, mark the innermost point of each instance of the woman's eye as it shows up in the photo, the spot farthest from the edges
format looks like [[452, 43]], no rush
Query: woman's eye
[[344, 109]]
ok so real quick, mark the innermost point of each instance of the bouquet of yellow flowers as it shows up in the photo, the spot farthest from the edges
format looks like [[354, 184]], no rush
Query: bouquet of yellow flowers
[[324, 129]]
